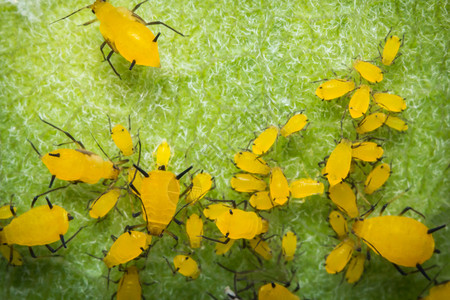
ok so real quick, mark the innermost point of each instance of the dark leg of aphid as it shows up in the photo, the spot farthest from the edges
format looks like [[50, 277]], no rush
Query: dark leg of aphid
[[419, 267], [107, 58], [132, 64], [410, 208], [161, 23], [215, 240], [89, 22], [50, 248], [183, 173], [140, 170], [51, 181], [101, 49], [68, 240], [156, 37], [65, 132], [135, 215], [128, 227], [61, 237], [209, 294], [178, 221], [32, 252], [138, 5], [170, 266], [114, 238], [399, 269], [113, 295], [430, 231], [49, 203]]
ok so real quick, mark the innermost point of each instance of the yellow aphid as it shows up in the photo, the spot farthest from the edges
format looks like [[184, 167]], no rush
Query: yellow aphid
[[201, 184], [339, 257], [368, 71], [213, 211], [390, 50], [371, 122], [289, 245], [194, 229], [339, 224], [222, 248], [238, 224], [103, 204], [11, 255], [186, 266], [274, 291], [295, 124], [250, 162], [278, 187], [247, 183], [162, 154], [128, 246], [343, 196], [261, 247], [390, 102], [334, 88], [265, 140], [367, 151], [122, 139], [359, 102], [261, 201], [376, 178], [7, 211], [137, 182], [440, 291], [129, 287], [355, 268], [396, 123], [305, 187], [338, 164]]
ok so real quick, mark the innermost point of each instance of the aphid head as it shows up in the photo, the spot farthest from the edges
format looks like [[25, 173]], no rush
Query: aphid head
[[97, 5]]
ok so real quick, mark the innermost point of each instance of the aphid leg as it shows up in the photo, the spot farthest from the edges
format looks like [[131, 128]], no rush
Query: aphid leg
[[173, 236], [113, 295], [140, 170], [161, 23], [104, 58], [209, 294], [215, 240], [34, 148], [32, 252], [138, 5], [107, 58], [430, 231], [421, 270], [51, 181], [399, 269], [47, 192], [79, 143], [61, 237], [132, 64], [89, 22], [170, 266], [156, 37], [67, 241], [410, 208], [49, 203], [114, 238]]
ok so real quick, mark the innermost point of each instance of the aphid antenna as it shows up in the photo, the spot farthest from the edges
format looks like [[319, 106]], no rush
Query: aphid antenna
[[64, 243], [34, 148], [179, 176], [78, 10], [79, 143], [103, 151], [161, 23], [47, 192]]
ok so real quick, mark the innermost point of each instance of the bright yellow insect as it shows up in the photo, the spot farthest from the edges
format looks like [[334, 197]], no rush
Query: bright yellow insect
[[262, 201], [390, 50], [224, 245], [265, 140], [367, 151], [213, 211], [289, 245], [355, 268], [250, 162], [238, 224], [334, 88], [162, 154], [7, 211], [371, 122], [396, 123], [122, 138], [339, 256], [201, 184], [261, 247], [278, 187], [103, 204], [343, 196], [359, 102], [376, 178], [339, 224], [295, 124], [274, 291], [390, 102], [247, 183], [194, 229], [305, 187], [11, 255], [129, 287], [368, 71], [440, 291], [338, 164], [186, 266]]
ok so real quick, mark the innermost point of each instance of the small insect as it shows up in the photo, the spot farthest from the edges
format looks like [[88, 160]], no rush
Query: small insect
[[262, 201], [305, 187], [126, 33], [343, 196], [12, 256], [261, 247], [339, 256], [186, 266], [368, 71], [371, 122], [355, 268], [162, 154], [339, 224], [439, 291], [278, 187], [265, 140], [359, 102], [289, 245], [274, 291], [7, 211], [390, 50], [250, 162], [334, 88], [122, 138], [239, 224], [194, 229], [295, 124], [201, 185], [103, 204], [224, 245], [129, 287], [396, 123], [390, 102], [376, 178], [367, 151], [338, 164], [213, 211], [247, 183]]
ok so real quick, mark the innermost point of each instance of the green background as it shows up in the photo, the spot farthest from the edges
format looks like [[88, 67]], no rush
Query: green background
[[245, 65]]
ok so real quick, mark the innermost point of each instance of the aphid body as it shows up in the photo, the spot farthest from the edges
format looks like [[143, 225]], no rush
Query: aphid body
[[103, 204], [128, 246], [265, 140], [334, 88], [122, 138], [289, 245], [129, 287]]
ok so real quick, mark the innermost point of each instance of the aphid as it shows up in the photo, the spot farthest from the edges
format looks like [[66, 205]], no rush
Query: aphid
[[359, 102], [274, 291], [390, 50], [262, 201], [213, 211], [223, 246], [343, 196], [339, 256], [367, 151], [390, 102], [371, 122], [296, 123], [250, 162], [440, 291], [289, 245], [129, 287], [162, 154], [305, 187], [7, 211], [126, 33], [338, 164], [11, 255], [194, 229], [265, 140], [186, 266], [278, 187], [126, 247], [247, 183], [238, 224], [122, 138], [376, 178], [261, 247], [339, 224], [334, 88], [201, 184], [368, 71], [355, 268], [103, 204], [396, 123]]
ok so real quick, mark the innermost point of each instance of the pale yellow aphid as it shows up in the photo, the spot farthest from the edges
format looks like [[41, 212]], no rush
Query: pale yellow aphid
[[122, 139], [390, 50], [367, 151], [371, 122], [338, 164], [278, 187], [339, 224], [295, 124], [390, 102], [262, 201], [129, 287], [305, 187], [265, 140], [247, 183], [261, 247], [213, 211], [355, 268], [128, 246], [250, 162], [339, 256], [289, 245], [359, 102], [201, 184], [396, 123], [194, 229], [186, 266], [103, 204], [368, 71], [240, 224], [439, 292], [376, 178], [274, 291], [11, 255], [162, 154], [222, 248], [334, 88], [7, 211], [343, 196]]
